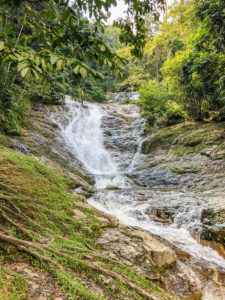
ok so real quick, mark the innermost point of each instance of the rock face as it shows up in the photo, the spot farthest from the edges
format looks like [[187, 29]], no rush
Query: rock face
[[213, 291], [121, 97], [186, 159], [136, 247]]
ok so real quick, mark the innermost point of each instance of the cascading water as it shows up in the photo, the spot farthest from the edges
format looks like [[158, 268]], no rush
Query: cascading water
[[83, 132]]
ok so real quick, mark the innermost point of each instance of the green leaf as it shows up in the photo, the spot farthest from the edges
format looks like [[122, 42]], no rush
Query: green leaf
[[60, 64], [2, 45], [22, 66], [25, 72], [38, 69], [44, 63], [35, 74], [13, 57], [74, 52], [47, 14], [65, 16], [76, 70], [37, 60], [83, 72], [102, 47], [53, 59]]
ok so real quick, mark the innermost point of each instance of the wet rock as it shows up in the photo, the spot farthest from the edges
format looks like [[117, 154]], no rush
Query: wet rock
[[136, 247], [184, 281], [18, 146], [195, 280], [160, 220], [156, 177], [45, 141], [104, 221], [160, 254], [213, 291]]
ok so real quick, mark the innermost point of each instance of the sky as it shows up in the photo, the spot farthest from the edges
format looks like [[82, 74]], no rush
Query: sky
[[118, 11]]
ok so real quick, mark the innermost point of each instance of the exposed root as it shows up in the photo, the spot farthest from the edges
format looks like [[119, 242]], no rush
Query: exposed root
[[24, 218], [139, 290], [40, 257], [24, 246], [9, 199], [89, 247], [93, 253], [24, 231]]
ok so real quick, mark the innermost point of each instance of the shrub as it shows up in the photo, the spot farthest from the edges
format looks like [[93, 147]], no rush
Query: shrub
[[97, 94], [158, 105], [173, 114]]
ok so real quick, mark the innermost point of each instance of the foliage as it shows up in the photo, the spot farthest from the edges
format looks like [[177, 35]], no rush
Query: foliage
[[53, 44], [158, 105], [97, 94], [187, 55]]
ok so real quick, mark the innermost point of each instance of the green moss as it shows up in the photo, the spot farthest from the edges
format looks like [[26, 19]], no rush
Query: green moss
[[5, 141], [12, 285], [186, 139], [185, 170]]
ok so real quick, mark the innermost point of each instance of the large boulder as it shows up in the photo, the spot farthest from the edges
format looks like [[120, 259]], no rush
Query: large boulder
[[160, 254], [135, 247]]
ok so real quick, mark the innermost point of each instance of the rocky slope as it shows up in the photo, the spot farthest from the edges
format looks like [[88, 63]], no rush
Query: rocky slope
[[100, 258], [192, 157]]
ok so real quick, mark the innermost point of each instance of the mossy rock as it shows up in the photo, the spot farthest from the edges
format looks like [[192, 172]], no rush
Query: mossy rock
[[186, 139], [186, 170]]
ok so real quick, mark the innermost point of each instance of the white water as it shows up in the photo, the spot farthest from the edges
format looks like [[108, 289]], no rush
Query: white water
[[133, 213], [83, 134], [85, 137]]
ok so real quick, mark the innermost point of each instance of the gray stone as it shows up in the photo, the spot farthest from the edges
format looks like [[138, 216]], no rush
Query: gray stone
[[212, 291]]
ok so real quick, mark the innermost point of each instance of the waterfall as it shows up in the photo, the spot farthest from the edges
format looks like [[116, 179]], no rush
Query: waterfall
[[82, 131], [85, 137], [83, 134]]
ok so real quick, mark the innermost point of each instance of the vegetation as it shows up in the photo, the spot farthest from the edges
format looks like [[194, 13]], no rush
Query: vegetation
[[181, 75], [47, 47], [188, 138]]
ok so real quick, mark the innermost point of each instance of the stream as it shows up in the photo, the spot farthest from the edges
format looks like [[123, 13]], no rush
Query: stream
[[107, 140]]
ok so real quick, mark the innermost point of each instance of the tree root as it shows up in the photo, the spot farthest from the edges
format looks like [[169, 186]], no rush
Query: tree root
[[93, 253], [89, 247], [24, 218], [137, 289], [24, 246], [40, 257], [24, 231], [9, 199]]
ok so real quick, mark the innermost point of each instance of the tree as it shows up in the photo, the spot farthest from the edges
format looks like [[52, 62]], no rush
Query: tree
[[41, 38], [201, 75]]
